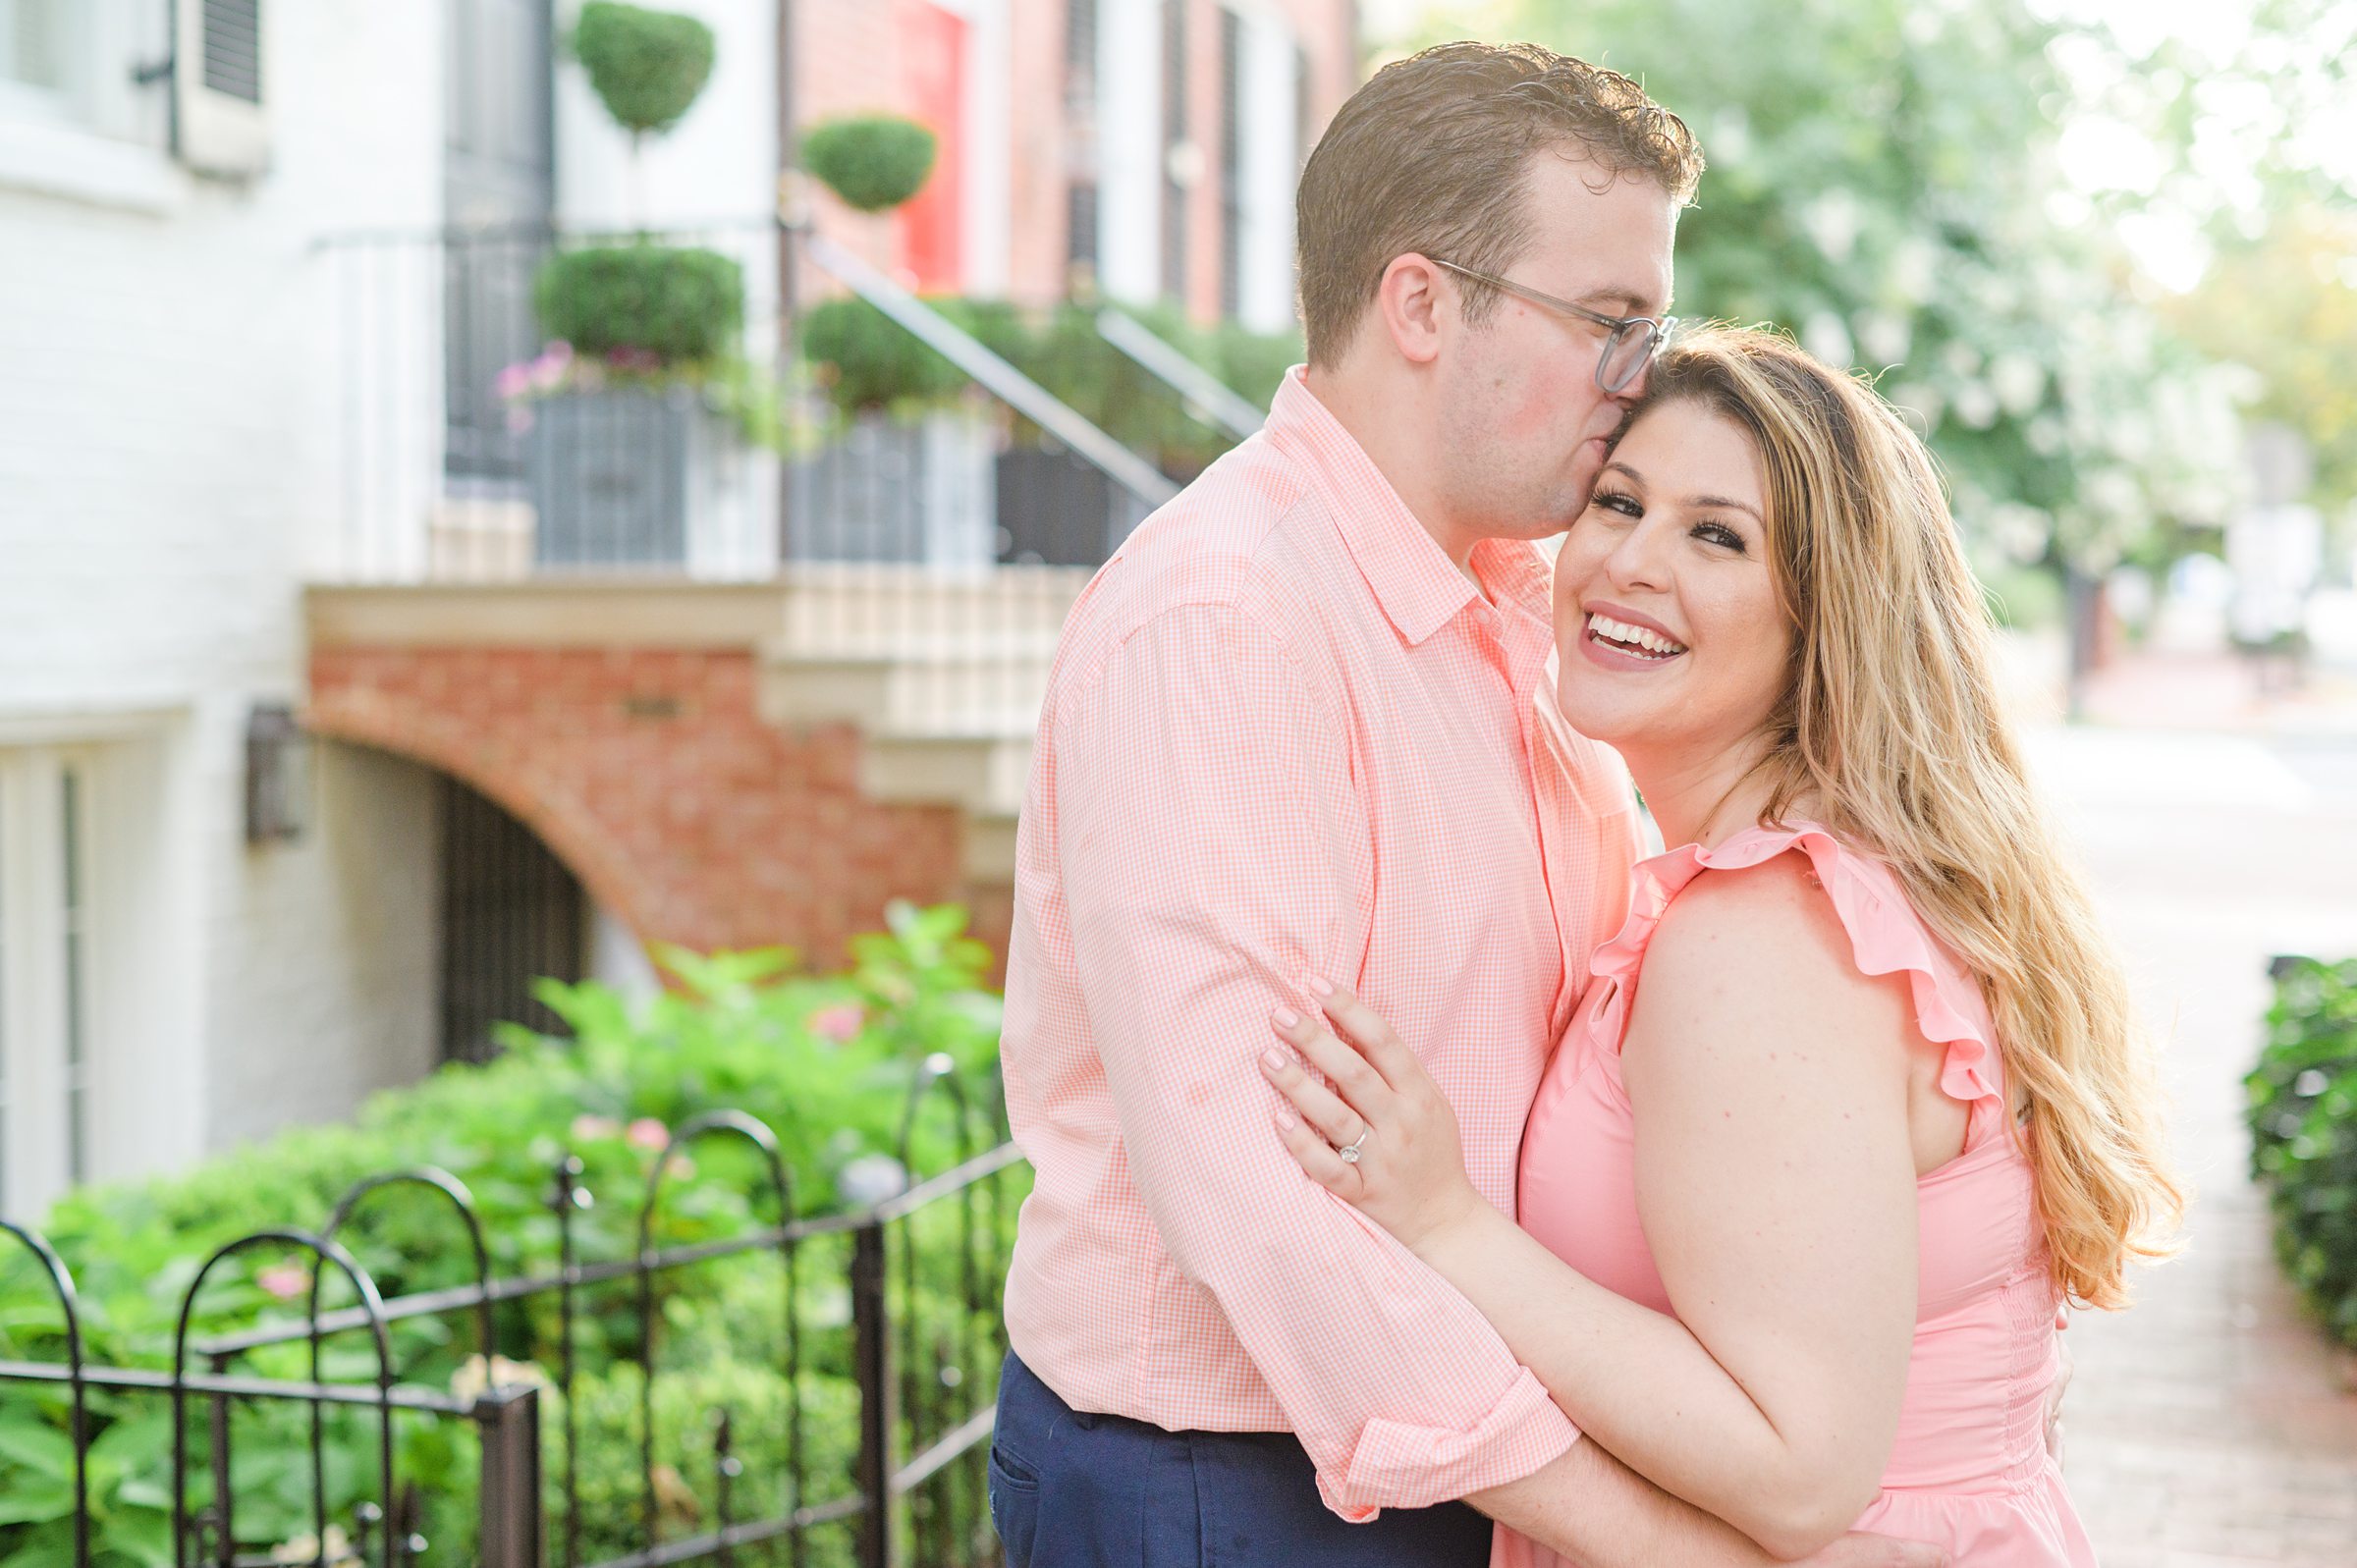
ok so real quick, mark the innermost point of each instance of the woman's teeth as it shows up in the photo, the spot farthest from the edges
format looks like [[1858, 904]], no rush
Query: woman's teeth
[[1633, 639]]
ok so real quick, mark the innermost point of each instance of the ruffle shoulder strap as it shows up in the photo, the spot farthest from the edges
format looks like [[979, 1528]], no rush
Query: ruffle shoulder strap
[[1886, 934]]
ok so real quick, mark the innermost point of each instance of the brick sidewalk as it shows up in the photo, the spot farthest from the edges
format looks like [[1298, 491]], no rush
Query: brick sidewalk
[[2210, 1427]]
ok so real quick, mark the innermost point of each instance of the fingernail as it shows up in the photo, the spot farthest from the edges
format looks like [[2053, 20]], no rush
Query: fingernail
[[1287, 1018], [1284, 1119], [1321, 986], [1273, 1059]]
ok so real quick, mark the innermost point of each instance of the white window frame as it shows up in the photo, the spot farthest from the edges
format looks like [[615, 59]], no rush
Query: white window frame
[[1130, 161], [103, 140], [51, 930], [1269, 129], [65, 102]]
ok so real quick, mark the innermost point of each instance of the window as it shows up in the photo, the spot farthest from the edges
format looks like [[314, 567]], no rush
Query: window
[[1080, 168], [32, 44], [46, 936], [76, 65], [1177, 152]]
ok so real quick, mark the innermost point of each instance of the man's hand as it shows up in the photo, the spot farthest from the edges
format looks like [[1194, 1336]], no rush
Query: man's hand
[[1877, 1552]]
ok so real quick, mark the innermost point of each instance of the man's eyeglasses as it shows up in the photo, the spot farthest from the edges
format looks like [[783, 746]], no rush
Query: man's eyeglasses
[[1630, 342]]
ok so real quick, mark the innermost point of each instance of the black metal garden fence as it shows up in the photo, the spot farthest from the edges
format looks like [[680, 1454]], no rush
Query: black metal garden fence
[[902, 1293]]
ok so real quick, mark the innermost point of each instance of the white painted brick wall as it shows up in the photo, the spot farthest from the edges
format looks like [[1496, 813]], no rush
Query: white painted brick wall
[[161, 483]]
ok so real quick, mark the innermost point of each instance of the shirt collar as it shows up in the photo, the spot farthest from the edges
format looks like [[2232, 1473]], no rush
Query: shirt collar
[[1417, 586]]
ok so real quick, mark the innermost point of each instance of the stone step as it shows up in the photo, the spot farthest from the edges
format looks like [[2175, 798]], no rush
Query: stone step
[[984, 774], [990, 848], [954, 688], [881, 609]]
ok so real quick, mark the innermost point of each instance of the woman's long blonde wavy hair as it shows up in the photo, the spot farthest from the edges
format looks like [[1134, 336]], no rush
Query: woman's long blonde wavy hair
[[1891, 733]]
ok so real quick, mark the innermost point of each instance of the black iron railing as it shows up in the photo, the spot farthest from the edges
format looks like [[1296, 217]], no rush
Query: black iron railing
[[900, 1294], [466, 447]]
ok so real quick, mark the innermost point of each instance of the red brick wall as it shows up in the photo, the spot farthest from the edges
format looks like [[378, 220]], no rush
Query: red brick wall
[[1040, 152], [650, 773]]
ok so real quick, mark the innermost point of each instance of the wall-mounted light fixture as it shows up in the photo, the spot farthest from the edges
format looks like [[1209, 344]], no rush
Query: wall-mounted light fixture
[[277, 775]]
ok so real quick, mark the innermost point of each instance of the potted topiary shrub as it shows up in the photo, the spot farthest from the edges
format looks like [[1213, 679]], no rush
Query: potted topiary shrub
[[903, 472], [1058, 509], [628, 408], [873, 161]]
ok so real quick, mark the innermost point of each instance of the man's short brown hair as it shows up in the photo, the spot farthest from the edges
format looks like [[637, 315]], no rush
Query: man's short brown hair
[[1431, 157]]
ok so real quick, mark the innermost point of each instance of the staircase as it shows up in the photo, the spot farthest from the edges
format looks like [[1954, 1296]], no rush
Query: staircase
[[941, 673]]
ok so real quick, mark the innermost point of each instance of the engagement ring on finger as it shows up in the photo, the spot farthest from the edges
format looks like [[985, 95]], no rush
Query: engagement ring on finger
[[1350, 1151]]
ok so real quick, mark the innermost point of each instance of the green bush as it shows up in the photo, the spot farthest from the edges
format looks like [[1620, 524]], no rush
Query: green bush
[[646, 66], [867, 360], [755, 1396], [658, 307], [828, 1063], [2303, 1120], [873, 161]]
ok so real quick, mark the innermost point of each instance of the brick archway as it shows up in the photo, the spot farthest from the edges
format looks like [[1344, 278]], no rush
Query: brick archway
[[651, 774]]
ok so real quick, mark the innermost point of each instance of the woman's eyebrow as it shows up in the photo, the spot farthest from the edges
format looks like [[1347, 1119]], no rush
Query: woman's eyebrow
[[1727, 501]]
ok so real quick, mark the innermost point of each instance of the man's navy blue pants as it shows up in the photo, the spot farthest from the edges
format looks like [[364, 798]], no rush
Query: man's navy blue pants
[[1071, 1489]]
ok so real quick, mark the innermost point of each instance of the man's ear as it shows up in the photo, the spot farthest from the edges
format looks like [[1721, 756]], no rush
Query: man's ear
[[1414, 303]]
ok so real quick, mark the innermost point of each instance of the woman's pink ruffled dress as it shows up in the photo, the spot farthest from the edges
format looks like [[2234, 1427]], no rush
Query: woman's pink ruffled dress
[[1971, 1470]]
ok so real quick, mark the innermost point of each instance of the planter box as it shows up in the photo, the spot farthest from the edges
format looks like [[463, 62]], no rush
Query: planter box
[[1057, 509], [633, 478], [614, 475], [890, 490]]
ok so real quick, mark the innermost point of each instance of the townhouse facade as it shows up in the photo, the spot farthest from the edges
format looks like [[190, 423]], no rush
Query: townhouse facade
[[296, 796]]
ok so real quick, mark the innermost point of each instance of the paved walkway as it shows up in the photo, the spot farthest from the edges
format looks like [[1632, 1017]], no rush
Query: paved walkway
[[2212, 1426]]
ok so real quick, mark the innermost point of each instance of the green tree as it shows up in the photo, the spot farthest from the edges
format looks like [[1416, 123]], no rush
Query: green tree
[[1883, 181], [2284, 306]]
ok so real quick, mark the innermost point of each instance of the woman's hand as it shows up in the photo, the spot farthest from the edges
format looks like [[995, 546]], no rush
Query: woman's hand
[[1383, 1138]]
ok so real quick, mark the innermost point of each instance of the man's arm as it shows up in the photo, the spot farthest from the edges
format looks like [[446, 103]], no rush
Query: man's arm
[[1214, 856]]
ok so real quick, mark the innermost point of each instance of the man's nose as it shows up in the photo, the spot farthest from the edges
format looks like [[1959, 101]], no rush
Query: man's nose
[[1627, 396]]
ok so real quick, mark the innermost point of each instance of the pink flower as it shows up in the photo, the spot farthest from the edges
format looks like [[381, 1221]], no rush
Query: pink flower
[[839, 1023], [285, 1280], [513, 382], [589, 1129], [647, 1133], [549, 371]]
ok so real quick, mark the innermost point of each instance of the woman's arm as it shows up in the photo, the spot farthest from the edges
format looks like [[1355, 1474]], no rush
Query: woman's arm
[[1776, 1181]]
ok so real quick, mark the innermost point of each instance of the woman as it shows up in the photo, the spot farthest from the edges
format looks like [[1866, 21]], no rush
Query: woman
[[1853, 1102]]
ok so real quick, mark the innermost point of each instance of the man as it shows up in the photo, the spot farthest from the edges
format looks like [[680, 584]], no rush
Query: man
[[1291, 730]]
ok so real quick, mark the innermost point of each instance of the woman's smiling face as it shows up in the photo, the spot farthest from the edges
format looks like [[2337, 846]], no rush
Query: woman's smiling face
[[1665, 611]]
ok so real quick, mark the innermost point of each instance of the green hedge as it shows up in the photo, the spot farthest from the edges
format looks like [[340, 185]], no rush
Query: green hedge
[[647, 66], [825, 1061], [873, 161], [664, 306], [2303, 1119], [867, 361]]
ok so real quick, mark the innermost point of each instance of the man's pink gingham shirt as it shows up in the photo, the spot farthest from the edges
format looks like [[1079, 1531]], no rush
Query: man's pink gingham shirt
[[1285, 736]]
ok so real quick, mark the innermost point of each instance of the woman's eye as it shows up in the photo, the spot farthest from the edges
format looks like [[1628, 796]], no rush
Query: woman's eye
[[1720, 534], [1614, 501]]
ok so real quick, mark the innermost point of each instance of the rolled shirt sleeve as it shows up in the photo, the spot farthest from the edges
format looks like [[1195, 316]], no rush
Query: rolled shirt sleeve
[[1215, 857]]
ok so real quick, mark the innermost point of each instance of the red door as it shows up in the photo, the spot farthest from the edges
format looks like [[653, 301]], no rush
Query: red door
[[933, 86]]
